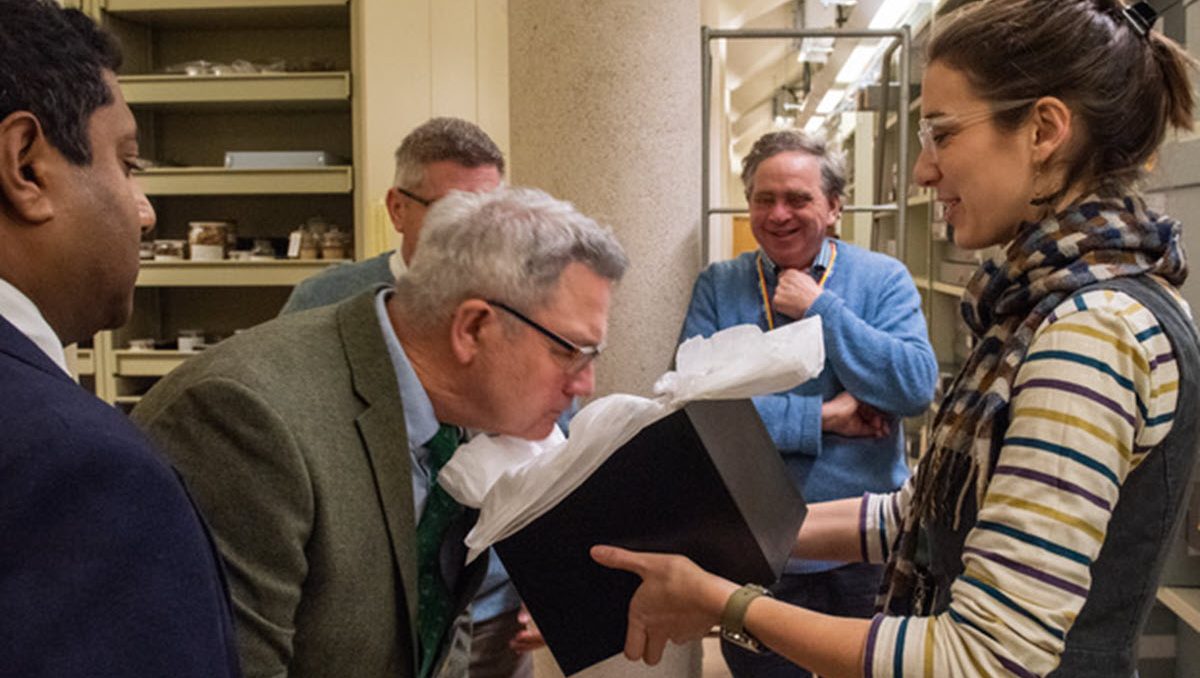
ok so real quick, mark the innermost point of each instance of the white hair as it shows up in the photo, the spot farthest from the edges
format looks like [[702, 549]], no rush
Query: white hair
[[510, 244]]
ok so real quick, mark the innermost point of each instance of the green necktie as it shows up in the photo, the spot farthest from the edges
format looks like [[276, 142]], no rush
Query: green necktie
[[435, 604]]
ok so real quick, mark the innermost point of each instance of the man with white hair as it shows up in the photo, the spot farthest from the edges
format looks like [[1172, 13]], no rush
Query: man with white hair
[[313, 442], [441, 155]]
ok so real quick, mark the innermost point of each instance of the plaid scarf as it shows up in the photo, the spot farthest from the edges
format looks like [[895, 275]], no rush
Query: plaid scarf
[[1104, 236]]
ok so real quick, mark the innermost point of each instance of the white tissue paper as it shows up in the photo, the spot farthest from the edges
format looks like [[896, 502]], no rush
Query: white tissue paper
[[513, 481]]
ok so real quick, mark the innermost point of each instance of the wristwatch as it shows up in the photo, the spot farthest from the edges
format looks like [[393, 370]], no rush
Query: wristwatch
[[732, 619]]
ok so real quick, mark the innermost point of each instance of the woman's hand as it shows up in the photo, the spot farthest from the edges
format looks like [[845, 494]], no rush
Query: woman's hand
[[677, 600]]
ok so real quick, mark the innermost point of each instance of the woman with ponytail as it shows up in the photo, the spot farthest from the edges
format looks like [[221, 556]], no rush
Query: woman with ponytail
[[1030, 540]]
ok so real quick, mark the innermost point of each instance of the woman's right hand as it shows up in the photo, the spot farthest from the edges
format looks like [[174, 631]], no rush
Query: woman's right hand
[[677, 600]]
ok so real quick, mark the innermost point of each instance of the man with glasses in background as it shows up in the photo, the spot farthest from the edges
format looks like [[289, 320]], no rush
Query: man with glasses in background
[[313, 441], [444, 154], [441, 155]]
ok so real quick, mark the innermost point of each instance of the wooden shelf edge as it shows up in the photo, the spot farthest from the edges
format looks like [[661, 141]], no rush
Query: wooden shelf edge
[[229, 273], [162, 181], [118, 6], [84, 363], [1184, 601], [947, 288], [148, 363], [152, 353], [262, 89]]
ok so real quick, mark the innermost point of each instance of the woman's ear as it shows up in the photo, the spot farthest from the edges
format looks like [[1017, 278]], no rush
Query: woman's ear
[[1052, 127], [23, 151]]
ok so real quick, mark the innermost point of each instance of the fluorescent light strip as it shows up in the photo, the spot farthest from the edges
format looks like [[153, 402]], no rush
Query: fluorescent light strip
[[857, 64], [830, 101], [890, 13]]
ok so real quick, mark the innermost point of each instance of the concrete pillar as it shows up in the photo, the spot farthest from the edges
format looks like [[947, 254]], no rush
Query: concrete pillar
[[605, 112]]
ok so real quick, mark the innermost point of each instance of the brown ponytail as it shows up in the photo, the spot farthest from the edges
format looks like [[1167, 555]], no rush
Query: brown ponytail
[[1174, 63]]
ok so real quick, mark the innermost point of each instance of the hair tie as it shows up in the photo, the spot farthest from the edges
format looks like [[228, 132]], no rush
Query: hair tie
[[1141, 16]]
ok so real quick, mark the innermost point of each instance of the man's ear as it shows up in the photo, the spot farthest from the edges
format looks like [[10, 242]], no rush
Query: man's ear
[[835, 211], [395, 207], [1052, 127], [472, 324], [24, 151]]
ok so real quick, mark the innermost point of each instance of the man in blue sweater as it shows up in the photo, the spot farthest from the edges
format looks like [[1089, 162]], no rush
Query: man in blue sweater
[[840, 434]]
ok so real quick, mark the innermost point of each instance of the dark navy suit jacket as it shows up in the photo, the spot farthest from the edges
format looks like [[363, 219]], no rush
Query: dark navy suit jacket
[[106, 568]]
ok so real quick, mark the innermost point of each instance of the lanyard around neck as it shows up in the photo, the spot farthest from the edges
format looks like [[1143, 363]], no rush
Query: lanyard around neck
[[762, 282]]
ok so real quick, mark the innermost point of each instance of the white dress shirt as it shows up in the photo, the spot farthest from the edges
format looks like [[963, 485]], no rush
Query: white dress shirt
[[17, 309]]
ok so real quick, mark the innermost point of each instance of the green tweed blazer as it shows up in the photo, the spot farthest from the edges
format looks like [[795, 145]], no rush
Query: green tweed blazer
[[291, 437]]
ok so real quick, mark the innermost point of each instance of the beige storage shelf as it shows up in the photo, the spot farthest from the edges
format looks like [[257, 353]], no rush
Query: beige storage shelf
[[1184, 601], [85, 362], [161, 181], [230, 13], [269, 90], [141, 363], [947, 288], [122, 6], [191, 122], [923, 198], [284, 272], [923, 283]]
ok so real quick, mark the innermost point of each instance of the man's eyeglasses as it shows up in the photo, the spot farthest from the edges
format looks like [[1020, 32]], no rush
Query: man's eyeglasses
[[424, 202], [932, 131], [580, 356]]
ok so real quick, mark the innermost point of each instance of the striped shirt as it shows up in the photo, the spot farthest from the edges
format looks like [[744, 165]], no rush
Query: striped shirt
[[1096, 393]]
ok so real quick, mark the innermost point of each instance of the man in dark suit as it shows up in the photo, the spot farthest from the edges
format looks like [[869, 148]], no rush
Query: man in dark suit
[[106, 568], [312, 442]]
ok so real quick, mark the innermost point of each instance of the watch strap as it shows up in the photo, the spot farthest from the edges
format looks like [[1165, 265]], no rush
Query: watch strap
[[733, 617]]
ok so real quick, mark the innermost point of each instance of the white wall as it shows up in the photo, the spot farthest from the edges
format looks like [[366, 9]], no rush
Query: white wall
[[416, 59]]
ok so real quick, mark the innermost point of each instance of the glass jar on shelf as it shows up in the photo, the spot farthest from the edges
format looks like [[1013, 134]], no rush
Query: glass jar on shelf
[[190, 340], [262, 250], [209, 240], [303, 244], [170, 250], [334, 244]]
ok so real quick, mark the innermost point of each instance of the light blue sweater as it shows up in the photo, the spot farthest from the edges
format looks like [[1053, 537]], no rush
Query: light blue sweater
[[876, 347]]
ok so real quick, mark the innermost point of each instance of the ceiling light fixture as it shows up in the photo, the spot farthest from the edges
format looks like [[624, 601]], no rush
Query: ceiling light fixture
[[857, 63], [830, 101], [815, 50], [891, 13]]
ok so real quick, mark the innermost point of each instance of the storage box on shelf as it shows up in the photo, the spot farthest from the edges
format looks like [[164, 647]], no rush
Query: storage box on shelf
[[207, 77]]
